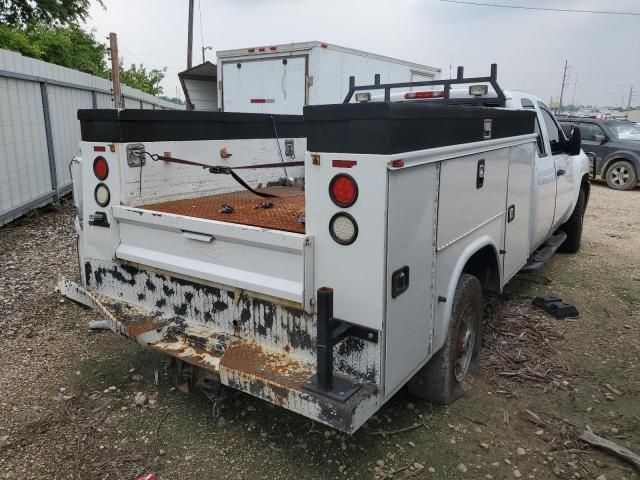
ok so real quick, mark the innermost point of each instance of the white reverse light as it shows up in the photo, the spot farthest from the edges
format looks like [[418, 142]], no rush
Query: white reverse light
[[343, 228], [102, 195]]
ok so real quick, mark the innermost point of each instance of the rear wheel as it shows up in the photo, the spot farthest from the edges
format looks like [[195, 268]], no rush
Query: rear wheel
[[573, 226], [622, 175], [440, 380]]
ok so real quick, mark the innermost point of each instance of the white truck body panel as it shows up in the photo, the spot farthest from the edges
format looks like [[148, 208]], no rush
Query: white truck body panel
[[165, 181], [315, 73]]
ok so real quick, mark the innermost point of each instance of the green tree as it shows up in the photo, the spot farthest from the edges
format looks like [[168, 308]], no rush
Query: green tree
[[137, 76], [50, 12], [70, 46], [73, 47]]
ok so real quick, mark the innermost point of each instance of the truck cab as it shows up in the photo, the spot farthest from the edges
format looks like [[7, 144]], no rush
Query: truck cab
[[559, 176]]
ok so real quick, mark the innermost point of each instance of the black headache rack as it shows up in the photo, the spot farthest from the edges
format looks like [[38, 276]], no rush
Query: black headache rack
[[498, 101]]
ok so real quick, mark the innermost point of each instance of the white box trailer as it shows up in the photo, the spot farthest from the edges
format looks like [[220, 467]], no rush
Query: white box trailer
[[285, 78]]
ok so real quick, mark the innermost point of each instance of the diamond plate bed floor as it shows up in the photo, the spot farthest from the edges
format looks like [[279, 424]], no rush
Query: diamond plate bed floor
[[247, 208]]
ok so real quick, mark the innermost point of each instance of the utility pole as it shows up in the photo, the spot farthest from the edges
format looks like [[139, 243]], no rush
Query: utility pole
[[564, 83], [115, 71], [190, 36], [630, 97]]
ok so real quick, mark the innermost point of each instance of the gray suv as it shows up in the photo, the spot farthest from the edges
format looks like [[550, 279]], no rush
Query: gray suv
[[613, 147]]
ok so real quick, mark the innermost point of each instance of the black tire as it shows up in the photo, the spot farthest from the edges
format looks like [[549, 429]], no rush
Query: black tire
[[573, 226], [621, 175], [440, 380]]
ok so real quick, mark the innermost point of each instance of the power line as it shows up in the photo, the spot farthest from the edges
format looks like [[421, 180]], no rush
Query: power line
[[523, 7]]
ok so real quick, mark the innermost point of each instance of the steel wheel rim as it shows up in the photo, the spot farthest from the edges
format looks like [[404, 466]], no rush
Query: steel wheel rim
[[465, 344], [620, 175]]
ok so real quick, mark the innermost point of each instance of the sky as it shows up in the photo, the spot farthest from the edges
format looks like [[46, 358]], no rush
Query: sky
[[530, 47]]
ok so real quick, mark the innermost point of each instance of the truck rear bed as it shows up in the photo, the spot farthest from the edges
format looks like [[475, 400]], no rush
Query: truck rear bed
[[285, 213]]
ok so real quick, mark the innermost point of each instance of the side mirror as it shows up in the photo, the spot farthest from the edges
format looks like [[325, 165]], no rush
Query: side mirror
[[575, 141], [600, 138]]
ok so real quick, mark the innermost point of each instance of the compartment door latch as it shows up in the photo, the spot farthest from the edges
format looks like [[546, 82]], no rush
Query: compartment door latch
[[480, 172], [399, 281]]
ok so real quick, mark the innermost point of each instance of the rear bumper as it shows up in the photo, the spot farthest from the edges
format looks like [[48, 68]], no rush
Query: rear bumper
[[241, 364]]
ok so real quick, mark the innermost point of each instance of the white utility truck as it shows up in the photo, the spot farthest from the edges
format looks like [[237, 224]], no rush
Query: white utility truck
[[285, 78], [323, 285]]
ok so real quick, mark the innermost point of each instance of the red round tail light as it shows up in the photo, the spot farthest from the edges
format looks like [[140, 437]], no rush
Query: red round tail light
[[100, 168], [343, 190]]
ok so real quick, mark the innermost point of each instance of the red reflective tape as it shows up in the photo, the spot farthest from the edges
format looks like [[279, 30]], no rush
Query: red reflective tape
[[98, 148], [273, 49], [261, 49], [343, 163], [258, 100], [251, 50]]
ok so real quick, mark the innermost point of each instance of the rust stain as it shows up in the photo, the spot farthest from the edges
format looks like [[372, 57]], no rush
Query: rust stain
[[282, 216], [248, 359], [194, 355], [132, 319]]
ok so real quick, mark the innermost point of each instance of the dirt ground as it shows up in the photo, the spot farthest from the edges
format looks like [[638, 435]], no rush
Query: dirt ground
[[67, 405]]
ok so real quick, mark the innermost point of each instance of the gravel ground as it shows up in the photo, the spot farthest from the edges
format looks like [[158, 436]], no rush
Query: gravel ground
[[84, 405]]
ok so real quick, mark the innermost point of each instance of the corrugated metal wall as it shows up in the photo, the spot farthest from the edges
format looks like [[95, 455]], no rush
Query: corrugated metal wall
[[39, 129]]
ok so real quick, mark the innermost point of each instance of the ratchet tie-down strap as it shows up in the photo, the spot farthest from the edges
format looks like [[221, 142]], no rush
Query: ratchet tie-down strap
[[228, 170]]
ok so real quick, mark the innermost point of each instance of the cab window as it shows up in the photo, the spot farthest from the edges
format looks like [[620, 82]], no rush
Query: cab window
[[553, 130]]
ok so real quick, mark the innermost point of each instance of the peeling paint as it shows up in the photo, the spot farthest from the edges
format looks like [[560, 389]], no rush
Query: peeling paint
[[276, 327]]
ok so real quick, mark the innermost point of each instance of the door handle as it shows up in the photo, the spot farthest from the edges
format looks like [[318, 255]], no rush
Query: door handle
[[561, 172], [200, 237]]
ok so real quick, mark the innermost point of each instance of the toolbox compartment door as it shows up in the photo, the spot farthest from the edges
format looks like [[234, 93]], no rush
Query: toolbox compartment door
[[410, 254], [517, 235]]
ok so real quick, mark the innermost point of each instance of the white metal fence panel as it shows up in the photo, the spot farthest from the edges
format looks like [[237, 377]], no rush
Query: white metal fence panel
[[24, 171], [39, 129], [104, 100], [63, 105]]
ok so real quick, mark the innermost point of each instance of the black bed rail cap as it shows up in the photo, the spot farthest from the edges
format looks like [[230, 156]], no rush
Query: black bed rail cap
[[121, 126], [396, 127]]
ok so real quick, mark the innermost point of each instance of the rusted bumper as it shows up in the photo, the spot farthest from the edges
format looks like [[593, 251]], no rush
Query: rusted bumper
[[241, 364]]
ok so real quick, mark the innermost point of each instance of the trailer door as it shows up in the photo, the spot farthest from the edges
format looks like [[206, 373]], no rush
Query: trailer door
[[265, 85]]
